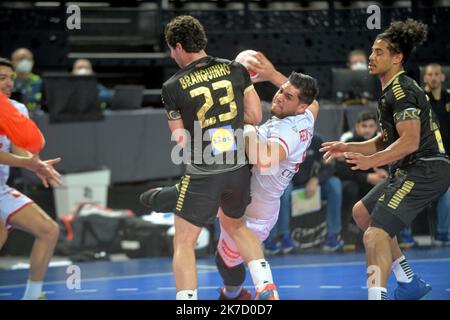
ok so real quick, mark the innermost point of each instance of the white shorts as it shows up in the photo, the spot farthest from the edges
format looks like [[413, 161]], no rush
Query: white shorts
[[11, 202], [260, 215]]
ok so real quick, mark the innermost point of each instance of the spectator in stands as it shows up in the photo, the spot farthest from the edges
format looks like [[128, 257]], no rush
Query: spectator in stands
[[27, 85], [366, 128], [356, 184], [440, 102], [313, 172], [439, 99], [357, 60], [83, 67]]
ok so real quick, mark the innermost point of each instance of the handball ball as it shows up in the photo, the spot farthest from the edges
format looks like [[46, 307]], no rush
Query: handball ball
[[244, 57]]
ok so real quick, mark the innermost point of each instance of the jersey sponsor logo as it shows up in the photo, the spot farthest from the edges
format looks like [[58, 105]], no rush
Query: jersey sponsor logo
[[222, 140]]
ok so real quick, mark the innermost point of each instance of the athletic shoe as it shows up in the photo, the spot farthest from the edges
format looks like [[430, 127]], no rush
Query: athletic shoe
[[268, 293], [406, 242], [286, 244], [271, 247], [442, 239], [417, 289], [244, 295], [333, 243]]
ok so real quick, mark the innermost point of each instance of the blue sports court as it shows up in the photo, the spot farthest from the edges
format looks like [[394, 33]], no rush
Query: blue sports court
[[312, 276]]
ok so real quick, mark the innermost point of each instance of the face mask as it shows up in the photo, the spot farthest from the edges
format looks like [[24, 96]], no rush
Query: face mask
[[359, 66], [24, 66], [83, 72]]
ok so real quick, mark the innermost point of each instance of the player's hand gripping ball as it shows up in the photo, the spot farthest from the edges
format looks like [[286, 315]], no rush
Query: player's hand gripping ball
[[244, 57]]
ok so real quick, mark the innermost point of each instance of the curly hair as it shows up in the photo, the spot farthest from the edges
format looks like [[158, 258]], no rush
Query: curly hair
[[188, 31], [404, 36]]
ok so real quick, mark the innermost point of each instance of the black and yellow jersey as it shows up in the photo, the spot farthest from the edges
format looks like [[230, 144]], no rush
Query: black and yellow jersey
[[403, 99], [208, 94]]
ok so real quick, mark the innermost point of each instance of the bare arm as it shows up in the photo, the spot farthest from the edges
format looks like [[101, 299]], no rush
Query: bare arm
[[43, 169], [336, 149], [178, 132], [252, 107], [20, 152], [266, 71], [407, 143], [13, 160], [368, 147]]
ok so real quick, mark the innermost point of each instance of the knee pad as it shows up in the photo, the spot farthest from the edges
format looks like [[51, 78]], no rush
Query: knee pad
[[234, 276]]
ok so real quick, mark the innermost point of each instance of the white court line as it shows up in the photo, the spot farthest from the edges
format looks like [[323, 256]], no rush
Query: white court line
[[151, 275], [330, 287], [127, 289], [447, 289], [49, 292], [351, 263], [364, 288], [135, 276], [85, 290], [289, 286], [199, 288], [207, 267], [5, 294]]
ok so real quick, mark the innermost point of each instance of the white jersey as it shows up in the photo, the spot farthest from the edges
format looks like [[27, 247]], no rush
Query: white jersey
[[5, 145], [294, 134]]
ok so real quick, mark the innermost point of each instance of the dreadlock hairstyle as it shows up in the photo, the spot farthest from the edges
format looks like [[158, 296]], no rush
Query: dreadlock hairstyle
[[404, 36]]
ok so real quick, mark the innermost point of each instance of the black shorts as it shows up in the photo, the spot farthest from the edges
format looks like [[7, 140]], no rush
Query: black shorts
[[395, 203], [201, 196]]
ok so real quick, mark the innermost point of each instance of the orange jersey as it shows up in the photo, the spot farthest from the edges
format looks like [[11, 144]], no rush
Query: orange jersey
[[21, 130]]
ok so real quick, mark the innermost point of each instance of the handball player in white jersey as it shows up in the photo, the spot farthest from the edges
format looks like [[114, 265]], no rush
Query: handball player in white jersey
[[16, 209]]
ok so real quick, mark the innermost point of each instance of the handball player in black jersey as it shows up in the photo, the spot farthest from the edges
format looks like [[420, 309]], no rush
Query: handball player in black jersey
[[207, 102], [410, 143]]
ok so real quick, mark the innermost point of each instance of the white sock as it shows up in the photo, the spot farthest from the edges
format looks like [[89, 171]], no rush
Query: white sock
[[377, 293], [187, 295], [402, 270], [232, 292], [260, 272], [33, 290]]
